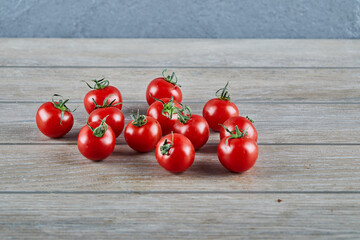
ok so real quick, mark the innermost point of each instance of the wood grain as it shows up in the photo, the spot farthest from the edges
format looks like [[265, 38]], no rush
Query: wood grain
[[303, 94], [276, 123], [261, 85], [179, 216], [279, 168], [180, 52]]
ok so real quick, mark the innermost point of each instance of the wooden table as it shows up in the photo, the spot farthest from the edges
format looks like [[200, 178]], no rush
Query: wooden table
[[303, 94]]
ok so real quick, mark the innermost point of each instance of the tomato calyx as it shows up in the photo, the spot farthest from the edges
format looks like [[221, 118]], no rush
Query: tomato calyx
[[138, 120], [236, 133], [184, 117], [101, 129], [60, 104], [165, 148], [224, 95], [252, 121], [170, 78], [105, 104], [168, 107], [99, 84]]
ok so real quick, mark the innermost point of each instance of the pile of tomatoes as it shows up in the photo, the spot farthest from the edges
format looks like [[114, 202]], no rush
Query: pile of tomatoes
[[184, 132]]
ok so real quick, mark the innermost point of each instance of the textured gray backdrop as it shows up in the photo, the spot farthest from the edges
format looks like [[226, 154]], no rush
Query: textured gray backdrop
[[181, 18]]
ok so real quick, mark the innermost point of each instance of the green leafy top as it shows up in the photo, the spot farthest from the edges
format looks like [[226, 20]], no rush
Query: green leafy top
[[61, 105]]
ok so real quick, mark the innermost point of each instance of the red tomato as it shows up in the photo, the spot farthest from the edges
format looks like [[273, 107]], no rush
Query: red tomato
[[237, 153], [54, 119], [164, 111], [194, 127], [96, 140], [115, 118], [163, 87], [242, 123], [175, 153], [142, 133], [217, 110], [101, 91]]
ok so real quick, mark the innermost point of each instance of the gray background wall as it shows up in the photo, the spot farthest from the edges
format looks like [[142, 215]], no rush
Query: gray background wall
[[181, 18]]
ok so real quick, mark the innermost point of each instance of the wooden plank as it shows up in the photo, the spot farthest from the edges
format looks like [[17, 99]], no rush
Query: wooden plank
[[169, 216], [276, 123], [180, 52], [300, 85], [279, 168]]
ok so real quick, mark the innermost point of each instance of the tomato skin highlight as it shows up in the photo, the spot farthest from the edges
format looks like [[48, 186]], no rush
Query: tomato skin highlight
[[181, 155], [160, 88], [155, 111], [144, 138], [115, 118], [196, 129], [216, 111], [95, 148], [242, 124], [48, 121], [239, 155], [99, 96]]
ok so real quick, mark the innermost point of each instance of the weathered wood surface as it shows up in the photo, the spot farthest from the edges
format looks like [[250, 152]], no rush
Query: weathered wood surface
[[303, 94], [260, 85], [180, 216], [276, 123], [279, 168], [180, 52]]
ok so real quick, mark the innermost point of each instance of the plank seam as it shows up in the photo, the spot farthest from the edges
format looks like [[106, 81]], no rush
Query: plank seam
[[182, 67], [179, 192], [208, 144], [200, 102]]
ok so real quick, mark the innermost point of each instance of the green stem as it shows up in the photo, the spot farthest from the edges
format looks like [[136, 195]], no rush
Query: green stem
[[60, 104], [170, 79], [101, 129], [138, 120], [105, 104], [168, 107], [252, 121], [99, 84], [238, 133], [184, 117], [165, 148], [225, 95]]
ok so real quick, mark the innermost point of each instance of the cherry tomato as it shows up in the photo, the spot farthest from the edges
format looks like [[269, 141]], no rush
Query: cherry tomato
[[115, 118], [242, 123], [175, 153], [237, 153], [163, 87], [96, 140], [217, 110], [54, 119], [194, 127], [142, 133], [102, 90], [164, 111]]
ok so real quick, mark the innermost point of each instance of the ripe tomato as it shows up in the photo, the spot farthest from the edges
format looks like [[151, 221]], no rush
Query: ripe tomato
[[54, 119], [164, 87], [217, 110], [164, 111], [101, 91], [115, 117], [142, 133], [175, 153], [194, 127], [242, 123], [237, 153], [96, 140]]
